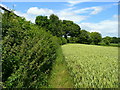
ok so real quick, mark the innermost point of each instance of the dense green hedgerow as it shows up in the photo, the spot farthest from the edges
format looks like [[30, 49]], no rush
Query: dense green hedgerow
[[61, 40], [64, 41], [27, 53]]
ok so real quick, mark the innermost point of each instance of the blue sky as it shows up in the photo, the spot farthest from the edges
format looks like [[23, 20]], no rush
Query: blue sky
[[91, 16]]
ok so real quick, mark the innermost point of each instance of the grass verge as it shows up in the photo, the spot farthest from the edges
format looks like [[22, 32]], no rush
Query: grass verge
[[60, 77]]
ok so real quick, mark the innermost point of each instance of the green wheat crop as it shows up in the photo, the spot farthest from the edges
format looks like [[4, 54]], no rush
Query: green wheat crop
[[92, 66]]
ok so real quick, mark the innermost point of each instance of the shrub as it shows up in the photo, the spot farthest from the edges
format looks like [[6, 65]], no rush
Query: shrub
[[58, 40], [64, 41], [28, 53]]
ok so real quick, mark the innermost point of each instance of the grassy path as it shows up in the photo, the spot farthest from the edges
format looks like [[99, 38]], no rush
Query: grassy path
[[60, 77]]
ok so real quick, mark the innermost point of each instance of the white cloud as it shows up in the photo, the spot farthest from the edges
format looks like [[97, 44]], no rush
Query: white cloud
[[116, 17], [70, 14], [74, 18], [106, 27], [117, 3], [39, 11], [95, 10], [33, 12], [26, 16], [14, 5], [65, 14], [74, 2], [75, 14]]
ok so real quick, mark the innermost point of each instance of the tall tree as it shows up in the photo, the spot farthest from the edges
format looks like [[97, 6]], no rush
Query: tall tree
[[107, 40], [42, 21], [70, 29], [84, 37], [55, 25], [96, 37], [115, 40]]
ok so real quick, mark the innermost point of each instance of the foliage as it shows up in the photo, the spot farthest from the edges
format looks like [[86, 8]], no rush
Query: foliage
[[115, 40], [107, 40], [84, 37], [55, 25], [70, 29], [28, 52], [58, 27], [73, 39], [42, 21], [96, 37], [92, 66], [67, 28], [63, 40]]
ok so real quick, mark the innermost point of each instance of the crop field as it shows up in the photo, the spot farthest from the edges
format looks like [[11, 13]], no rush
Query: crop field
[[92, 66]]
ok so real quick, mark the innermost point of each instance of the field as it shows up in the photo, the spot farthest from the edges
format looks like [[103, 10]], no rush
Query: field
[[92, 66]]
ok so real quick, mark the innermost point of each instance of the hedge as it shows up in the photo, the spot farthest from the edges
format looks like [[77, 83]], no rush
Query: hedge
[[27, 53]]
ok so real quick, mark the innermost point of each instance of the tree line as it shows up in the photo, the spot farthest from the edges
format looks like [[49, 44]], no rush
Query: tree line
[[71, 32]]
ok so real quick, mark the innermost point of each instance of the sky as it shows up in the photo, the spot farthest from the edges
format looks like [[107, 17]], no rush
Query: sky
[[92, 16]]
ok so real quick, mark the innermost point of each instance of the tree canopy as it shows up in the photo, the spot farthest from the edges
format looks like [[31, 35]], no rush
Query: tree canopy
[[84, 37], [96, 37], [71, 31]]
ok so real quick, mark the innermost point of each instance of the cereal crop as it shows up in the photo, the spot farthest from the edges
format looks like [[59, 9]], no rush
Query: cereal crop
[[92, 66]]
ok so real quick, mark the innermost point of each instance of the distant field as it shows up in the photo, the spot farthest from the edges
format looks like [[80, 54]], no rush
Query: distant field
[[92, 66]]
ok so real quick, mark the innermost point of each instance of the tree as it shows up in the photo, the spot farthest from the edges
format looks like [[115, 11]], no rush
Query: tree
[[55, 25], [107, 40], [42, 21], [115, 40], [96, 37], [54, 18], [70, 29], [118, 39], [73, 39], [84, 37]]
